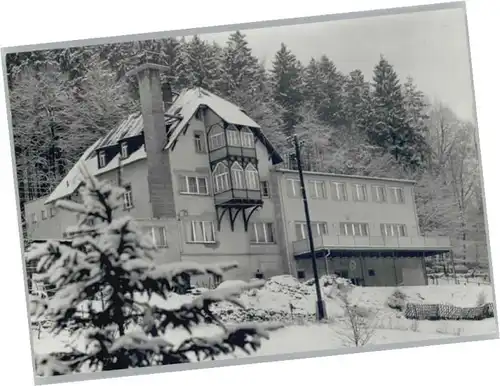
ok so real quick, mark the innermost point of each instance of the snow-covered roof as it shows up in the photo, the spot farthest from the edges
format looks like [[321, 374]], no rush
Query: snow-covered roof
[[191, 99], [130, 127], [184, 106], [73, 179]]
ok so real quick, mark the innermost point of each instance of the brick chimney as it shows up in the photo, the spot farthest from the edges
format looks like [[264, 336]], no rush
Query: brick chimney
[[152, 97]]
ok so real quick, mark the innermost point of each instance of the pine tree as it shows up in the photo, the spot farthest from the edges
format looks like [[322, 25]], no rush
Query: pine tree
[[239, 68], [312, 84], [198, 64], [109, 267], [418, 119], [357, 100], [330, 106], [117, 57], [181, 66], [286, 77], [74, 62], [390, 126]]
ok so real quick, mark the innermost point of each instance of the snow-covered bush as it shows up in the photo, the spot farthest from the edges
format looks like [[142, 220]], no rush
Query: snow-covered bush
[[123, 328], [397, 300]]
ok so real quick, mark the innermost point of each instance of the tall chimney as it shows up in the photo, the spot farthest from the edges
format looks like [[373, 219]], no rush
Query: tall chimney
[[158, 160]]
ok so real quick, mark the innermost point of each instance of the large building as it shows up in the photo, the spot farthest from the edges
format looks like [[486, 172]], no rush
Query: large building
[[208, 186]]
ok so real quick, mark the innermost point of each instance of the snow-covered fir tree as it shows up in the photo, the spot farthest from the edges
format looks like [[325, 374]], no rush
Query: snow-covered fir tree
[[198, 64], [312, 84], [357, 99], [181, 65], [109, 268], [418, 120], [329, 100], [239, 68], [391, 127], [286, 77]]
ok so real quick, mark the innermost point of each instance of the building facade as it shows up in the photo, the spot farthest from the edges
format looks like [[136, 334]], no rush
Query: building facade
[[206, 184]]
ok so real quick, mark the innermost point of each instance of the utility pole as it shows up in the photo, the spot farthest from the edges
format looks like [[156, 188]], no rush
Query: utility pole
[[320, 307]]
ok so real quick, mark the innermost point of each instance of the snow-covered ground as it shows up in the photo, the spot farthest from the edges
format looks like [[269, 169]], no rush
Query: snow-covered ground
[[300, 335]]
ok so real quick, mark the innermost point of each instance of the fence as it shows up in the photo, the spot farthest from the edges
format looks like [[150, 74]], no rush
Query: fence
[[448, 312]]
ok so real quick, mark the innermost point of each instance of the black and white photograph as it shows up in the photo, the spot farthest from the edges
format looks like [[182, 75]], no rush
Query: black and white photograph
[[300, 188]]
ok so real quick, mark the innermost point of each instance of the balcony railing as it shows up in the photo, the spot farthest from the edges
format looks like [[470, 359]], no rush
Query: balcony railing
[[375, 242]]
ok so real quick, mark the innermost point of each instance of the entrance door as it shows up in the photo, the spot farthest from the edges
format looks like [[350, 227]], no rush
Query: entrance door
[[413, 276]]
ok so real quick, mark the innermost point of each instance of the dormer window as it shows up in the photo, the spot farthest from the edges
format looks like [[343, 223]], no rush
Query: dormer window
[[102, 159], [247, 139], [233, 136], [124, 150]]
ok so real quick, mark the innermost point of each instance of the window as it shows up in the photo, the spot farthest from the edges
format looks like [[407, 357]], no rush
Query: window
[[127, 198], [44, 214], [202, 232], [124, 149], [339, 191], [264, 188], [52, 211], [317, 229], [371, 272], [194, 185], [158, 235], [34, 220], [199, 142], [301, 274], [293, 187], [378, 193], [393, 230], [217, 138], [353, 229], [359, 192], [247, 138], [262, 233], [291, 161], [238, 176], [233, 136], [102, 159], [221, 178], [397, 195], [317, 189], [252, 177]]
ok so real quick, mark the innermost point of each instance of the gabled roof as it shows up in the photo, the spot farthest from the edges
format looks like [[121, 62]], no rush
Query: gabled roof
[[190, 100], [184, 107]]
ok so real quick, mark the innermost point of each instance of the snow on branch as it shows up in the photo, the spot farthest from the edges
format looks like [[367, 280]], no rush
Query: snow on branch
[[247, 338], [170, 271]]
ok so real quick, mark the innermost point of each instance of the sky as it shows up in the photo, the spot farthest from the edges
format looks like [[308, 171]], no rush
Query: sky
[[430, 46]]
